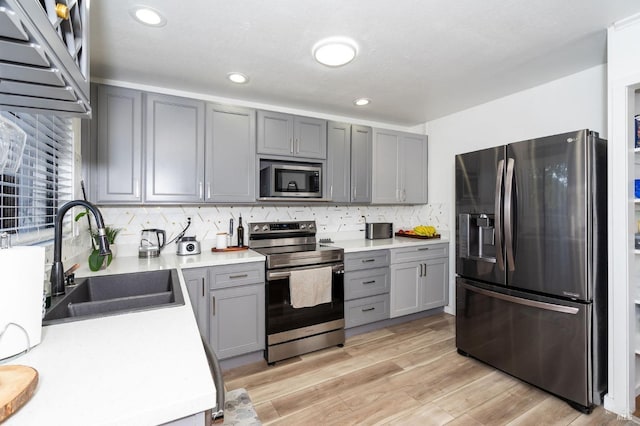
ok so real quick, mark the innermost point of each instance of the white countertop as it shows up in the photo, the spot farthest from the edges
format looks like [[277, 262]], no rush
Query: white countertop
[[362, 244], [141, 368]]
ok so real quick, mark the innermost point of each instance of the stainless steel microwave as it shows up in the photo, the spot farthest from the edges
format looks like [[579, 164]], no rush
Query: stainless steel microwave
[[290, 180]]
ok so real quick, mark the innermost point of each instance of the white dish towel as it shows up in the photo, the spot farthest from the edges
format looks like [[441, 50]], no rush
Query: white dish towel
[[310, 287]]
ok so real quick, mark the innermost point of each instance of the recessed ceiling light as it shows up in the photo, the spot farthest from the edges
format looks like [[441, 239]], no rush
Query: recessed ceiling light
[[148, 16], [335, 51], [362, 101], [237, 77]]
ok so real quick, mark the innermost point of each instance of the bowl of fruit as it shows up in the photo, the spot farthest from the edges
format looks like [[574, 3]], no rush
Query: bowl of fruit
[[423, 232]]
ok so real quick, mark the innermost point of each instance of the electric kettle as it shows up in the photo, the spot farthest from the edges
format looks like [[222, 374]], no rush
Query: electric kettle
[[151, 242]]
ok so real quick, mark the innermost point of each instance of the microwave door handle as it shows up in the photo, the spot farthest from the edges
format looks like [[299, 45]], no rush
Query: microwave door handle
[[498, 214]]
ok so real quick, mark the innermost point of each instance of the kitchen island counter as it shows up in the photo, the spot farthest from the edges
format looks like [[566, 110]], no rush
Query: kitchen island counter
[[139, 368]]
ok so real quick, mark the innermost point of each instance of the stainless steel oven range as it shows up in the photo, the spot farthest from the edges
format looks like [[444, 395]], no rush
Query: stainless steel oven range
[[304, 289]]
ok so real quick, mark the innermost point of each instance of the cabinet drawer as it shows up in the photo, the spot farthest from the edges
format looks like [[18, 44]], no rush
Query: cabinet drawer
[[235, 275], [366, 310], [366, 260], [366, 283], [409, 254]]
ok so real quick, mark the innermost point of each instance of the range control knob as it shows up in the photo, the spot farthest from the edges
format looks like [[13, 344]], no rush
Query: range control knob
[[265, 228], [311, 226], [302, 226], [256, 228]]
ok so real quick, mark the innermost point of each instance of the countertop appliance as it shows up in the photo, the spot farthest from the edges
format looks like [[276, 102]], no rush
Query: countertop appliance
[[531, 260], [187, 246], [290, 179], [378, 231], [291, 249], [151, 242]]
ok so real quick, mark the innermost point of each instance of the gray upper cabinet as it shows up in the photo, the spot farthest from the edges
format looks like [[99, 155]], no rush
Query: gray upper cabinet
[[230, 154], [291, 135], [349, 162], [310, 137], [385, 167], [399, 168], [174, 149], [413, 169], [339, 161], [117, 170], [361, 162]]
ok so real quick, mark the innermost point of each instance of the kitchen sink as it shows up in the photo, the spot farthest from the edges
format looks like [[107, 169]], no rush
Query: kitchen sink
[[115, 294]]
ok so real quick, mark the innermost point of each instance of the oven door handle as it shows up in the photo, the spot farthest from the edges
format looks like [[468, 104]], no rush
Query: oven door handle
[[274, 275]]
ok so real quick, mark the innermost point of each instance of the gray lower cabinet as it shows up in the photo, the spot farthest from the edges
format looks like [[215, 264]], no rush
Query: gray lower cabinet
[[174, 149], [291, 135], [348, 162], [197, 281], [419, 278], [237, 309], [230, 154], [399, 168], [230, 307], [116, 172], [367, 283]]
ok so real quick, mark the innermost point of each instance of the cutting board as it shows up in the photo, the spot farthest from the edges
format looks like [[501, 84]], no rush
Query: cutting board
[[235, 248], [17, 384], [418, 237]]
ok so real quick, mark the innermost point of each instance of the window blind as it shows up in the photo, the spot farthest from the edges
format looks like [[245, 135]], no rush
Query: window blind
[[29, 197]]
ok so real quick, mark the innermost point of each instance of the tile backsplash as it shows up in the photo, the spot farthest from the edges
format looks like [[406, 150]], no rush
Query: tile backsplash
[[335, 221]]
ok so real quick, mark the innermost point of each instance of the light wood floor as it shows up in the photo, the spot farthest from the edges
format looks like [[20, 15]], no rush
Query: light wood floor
[[408, 374]]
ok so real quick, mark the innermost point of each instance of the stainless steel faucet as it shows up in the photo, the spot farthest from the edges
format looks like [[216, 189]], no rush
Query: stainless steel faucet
[[57, 269]]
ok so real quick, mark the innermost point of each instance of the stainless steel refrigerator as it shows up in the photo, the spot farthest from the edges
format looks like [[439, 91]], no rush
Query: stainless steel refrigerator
[[531, 262]]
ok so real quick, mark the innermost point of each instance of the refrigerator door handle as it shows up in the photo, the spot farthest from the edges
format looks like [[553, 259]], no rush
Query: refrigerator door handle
[[508, 204], [526, 302], [498, 215]]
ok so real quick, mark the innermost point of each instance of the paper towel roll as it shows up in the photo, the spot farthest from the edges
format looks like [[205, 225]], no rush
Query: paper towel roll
[[21, 286]]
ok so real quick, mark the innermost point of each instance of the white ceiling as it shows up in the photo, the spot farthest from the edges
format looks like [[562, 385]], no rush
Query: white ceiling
[[418, 59]]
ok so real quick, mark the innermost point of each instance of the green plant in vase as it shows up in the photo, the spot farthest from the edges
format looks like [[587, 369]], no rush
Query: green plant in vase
[[95, 259]]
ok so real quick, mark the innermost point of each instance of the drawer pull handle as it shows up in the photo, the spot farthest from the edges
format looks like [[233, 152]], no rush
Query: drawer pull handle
[[369, 282], [238, 276], [368, 260], [368, 309], [423, 249]]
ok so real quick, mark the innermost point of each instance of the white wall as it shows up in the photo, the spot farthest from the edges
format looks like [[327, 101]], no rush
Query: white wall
[[571, 103]]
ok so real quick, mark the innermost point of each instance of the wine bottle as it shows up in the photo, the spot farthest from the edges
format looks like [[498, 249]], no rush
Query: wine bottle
[[240, 232]]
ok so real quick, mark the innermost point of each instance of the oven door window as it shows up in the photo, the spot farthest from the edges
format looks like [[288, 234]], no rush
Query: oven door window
[[281, 316]]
